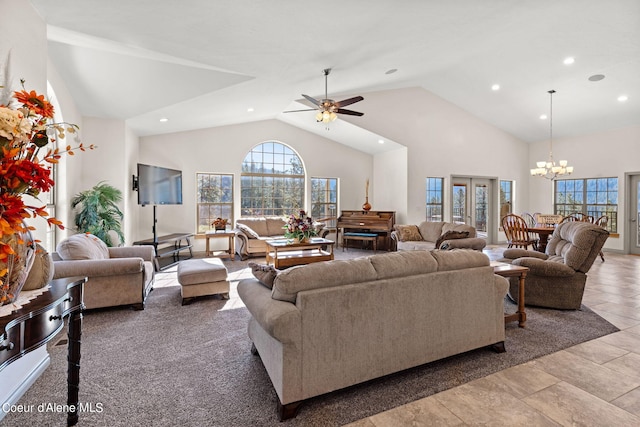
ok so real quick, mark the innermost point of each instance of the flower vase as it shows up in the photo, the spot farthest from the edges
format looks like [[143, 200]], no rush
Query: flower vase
[[14, 270], [366, 207]]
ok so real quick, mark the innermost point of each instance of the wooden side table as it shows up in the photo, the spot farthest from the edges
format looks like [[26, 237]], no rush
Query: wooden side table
[[509, 270], [230, 235]]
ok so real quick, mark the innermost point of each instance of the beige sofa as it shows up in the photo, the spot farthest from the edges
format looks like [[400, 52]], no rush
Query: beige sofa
[[330, 325], [116, 276], [252, 233], [447, 235]]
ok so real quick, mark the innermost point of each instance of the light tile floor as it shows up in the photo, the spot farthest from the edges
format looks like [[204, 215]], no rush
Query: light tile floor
[[596, 383]]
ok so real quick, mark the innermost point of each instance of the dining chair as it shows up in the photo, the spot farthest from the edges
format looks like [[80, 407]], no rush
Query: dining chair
[[517, 231], [530, 219], [602, 222]]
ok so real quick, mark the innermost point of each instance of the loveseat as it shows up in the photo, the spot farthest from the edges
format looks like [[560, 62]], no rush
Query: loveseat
[[325, 326], [252, 233], [436, 235], [556, 278], [116, 276]]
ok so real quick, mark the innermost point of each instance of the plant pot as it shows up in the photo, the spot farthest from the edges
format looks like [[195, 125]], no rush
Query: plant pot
[[17, 265]]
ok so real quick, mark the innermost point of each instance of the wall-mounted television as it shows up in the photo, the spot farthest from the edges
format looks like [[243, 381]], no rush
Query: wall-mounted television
[[158, 185]]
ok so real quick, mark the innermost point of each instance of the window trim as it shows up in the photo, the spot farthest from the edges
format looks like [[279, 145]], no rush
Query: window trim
[[199, 203]]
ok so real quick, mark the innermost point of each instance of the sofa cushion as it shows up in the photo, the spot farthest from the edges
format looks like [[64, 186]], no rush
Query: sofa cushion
[[405, 263], [408, 233], [274, 226], [327, 274], [449, 226], [258, 225], [248, 231], [451, 235], [457, 259], [431, 230], [82, 246], [265, 274]]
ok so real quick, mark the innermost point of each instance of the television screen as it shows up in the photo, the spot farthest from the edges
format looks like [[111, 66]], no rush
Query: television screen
[[159, 186]]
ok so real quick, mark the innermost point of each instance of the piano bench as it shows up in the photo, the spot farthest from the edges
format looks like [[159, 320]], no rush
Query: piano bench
[[365, 237]]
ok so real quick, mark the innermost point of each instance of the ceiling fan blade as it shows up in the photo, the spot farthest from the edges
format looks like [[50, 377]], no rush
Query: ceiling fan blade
[[349, 112], [306, 109], [349, 101], [311, 100]]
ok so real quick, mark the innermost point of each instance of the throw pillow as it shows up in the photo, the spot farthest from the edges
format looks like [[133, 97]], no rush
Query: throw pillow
[[265, 274], [248, 231], [408, 233], [450, 235]]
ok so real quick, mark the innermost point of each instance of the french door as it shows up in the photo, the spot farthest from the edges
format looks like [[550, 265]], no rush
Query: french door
[[633, 227], [472, 203]]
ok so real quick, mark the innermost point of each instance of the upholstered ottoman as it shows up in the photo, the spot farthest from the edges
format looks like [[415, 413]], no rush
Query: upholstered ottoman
[[198, 277]]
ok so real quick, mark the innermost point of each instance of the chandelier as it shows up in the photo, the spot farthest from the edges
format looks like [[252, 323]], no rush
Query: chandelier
[[549, 169]]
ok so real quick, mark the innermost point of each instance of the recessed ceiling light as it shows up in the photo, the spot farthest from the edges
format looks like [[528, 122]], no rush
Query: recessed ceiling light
[[543, 117], [623, 98], [495, 87], [596, 77], [164, 119], [381, 141], [250, 110], [391, 71], [570, 60]]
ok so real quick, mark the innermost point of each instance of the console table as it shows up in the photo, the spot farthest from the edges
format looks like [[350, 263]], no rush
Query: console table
[[38, 321], [171, 245]]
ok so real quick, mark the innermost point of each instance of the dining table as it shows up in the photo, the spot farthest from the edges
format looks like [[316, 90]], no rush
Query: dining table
[[543, 231]]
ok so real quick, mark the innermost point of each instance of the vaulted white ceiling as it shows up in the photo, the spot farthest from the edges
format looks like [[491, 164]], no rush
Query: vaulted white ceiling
[[205, 63]]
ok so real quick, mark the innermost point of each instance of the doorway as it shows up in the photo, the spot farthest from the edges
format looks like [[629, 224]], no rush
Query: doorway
[[472, 201], [633, 233]]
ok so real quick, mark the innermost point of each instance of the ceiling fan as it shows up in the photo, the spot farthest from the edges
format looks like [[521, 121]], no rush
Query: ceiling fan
[[328, 108]]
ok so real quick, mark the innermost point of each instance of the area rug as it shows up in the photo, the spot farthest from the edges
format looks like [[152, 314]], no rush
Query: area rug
[[191, 366]]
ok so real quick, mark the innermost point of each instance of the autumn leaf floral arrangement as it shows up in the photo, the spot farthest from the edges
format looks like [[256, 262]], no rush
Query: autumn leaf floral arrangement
[[300, 227], [28, 143]]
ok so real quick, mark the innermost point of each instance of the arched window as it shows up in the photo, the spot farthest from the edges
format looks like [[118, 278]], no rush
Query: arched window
[[272, 181]]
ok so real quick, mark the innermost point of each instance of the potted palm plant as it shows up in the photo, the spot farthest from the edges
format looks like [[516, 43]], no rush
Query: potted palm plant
[[98, 212]]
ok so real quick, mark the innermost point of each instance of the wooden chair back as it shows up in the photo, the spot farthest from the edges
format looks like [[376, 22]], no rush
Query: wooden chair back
[[517, 231]]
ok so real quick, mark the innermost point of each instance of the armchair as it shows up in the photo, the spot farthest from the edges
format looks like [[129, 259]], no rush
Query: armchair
[[556, 279], [116, 276]]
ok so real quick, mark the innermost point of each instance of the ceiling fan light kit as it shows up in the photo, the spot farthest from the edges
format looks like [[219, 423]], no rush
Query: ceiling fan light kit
[[328, 109]]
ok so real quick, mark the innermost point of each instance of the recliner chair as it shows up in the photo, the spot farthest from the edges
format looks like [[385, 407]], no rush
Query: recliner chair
[[557, 278]]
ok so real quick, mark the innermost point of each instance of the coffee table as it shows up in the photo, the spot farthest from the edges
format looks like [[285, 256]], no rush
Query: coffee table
[[285, 253], [508, 270]]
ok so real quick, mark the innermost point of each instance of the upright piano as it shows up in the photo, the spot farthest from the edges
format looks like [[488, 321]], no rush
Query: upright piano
[[378, 222]]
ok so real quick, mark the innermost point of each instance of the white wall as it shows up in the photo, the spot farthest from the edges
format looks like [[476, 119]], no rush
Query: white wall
[[390, 183], [222, 150], [603, 154]]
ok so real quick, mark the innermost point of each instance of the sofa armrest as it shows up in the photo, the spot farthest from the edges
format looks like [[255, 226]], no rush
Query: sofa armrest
[[145, 252], [541, 267], [98, 268], [477, 243], [280, 319], [515, 253]]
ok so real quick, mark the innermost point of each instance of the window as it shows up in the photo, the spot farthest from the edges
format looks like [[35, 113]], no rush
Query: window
[[435, 203], [592, 196], [272, 182], [324, 199], [215, 199], [506, 198]]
